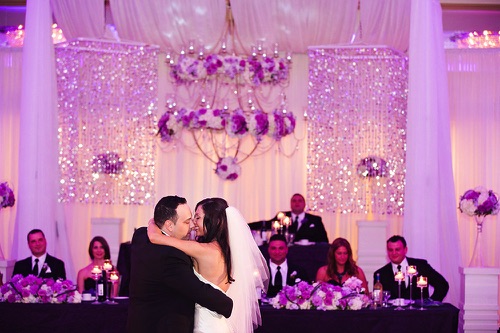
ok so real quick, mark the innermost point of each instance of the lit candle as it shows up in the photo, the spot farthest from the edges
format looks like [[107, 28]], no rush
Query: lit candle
[[286, 221], [280, 216], [96, 270], [276, 225], [411, 270], [422, 281], [107, 266], [113, 277], [399, 276]]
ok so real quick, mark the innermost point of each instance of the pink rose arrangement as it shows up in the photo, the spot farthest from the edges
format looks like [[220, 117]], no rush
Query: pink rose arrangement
[[32, 289]]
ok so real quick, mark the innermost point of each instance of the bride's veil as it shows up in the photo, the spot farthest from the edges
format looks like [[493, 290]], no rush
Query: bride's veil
[[250, 272]]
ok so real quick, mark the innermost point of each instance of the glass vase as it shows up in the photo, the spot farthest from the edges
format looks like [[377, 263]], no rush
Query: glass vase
[[477, 255]]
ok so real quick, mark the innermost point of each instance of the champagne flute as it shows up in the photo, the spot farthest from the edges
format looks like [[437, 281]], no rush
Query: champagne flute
[[386, 294], [96, 274], [422, 283]]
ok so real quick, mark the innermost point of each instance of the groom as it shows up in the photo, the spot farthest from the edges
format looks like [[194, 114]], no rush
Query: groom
[[163, 287]]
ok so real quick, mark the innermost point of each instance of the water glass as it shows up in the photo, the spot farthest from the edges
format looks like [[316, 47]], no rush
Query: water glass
[[386, 294]]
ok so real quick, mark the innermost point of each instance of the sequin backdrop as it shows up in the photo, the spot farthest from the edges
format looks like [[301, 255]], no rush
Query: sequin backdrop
[[107, 102], [357, 108]]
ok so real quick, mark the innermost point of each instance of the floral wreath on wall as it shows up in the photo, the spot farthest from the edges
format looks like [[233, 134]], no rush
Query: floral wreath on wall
[[7, 198]]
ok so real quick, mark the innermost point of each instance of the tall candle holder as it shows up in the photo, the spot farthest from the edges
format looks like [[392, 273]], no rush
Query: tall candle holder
[[399, 276], [422, 283], [411, 271], [96, 274], [113, 278], [107, 267]]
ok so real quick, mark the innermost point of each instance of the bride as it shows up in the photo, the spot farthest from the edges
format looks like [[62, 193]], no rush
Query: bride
[[227, 257]]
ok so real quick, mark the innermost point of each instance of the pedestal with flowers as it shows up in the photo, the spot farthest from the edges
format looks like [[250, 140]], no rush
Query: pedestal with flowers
[[479, 203], [7, 199], [479, 284]]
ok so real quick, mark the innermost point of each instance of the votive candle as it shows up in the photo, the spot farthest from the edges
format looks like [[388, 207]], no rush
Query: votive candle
[[422, 281], [411, 270]]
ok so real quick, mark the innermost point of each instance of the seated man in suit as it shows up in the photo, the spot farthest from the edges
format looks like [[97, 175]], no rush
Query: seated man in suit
[[280, 267], [304, 225], [40, 263], [396, 251]]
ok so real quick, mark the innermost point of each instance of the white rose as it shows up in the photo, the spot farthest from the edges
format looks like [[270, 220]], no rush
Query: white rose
[[355, 304]]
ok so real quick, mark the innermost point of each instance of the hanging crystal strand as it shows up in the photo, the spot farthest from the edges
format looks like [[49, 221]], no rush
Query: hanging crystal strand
[[477, 256]]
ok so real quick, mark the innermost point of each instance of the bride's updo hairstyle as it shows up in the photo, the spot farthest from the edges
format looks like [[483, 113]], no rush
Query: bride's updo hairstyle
[[215, 225]]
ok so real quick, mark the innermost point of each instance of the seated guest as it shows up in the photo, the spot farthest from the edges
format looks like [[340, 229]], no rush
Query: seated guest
[[98, 252], [340, 265], [40, 263], [396, 251], [303, 225], [279, 266]]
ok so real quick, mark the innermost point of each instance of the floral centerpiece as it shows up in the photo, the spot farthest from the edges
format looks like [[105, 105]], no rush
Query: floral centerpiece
[[32, 289], [372, 166], [6, 196], [227, 168], [480, 202], [322, 296]]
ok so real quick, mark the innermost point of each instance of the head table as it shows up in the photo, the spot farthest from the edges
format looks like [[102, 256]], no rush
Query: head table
[[103, 318]]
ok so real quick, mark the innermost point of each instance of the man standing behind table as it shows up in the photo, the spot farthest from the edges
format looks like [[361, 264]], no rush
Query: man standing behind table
[[163, 286], [396, 251], [40, 263], [303, 225], [282, 271]]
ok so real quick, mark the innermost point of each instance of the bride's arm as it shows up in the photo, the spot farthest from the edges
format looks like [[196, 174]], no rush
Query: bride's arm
[[191, 248]]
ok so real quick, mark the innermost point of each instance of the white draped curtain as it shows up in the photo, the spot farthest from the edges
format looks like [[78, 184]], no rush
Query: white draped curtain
[[267, 181]]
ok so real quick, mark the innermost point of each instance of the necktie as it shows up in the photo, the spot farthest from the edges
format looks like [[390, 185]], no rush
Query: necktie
[[296, 222], [278, 279], [399, 268], [35, 268]]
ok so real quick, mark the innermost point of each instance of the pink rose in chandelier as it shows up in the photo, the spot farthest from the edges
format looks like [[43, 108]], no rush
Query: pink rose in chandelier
[[479, 202], [188, 69], [258, 124], [236, 125], [168, 125], [109, 163], [233, 66], [281, 124], [227, 168], [212, 118]]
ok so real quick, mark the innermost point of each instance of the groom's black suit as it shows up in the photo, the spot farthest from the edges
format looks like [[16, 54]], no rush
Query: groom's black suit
[[164, 289]]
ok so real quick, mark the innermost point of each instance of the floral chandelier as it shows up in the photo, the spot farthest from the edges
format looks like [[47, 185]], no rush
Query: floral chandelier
[[230, 100]]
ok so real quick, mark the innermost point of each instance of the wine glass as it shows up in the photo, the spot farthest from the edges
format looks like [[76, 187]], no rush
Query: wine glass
[[422, 283], [96, 274], [113, 278], [386, 294], [399, 276], [411, 271]]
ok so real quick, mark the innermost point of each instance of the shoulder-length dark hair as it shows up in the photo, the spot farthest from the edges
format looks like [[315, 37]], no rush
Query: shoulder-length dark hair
[[100, 239], [350, 266], [215, 225]]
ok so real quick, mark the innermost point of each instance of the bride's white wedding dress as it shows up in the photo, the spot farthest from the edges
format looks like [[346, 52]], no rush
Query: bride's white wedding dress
[[250, 272], [208, 321]]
